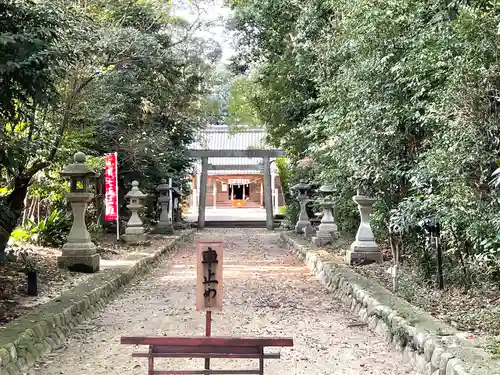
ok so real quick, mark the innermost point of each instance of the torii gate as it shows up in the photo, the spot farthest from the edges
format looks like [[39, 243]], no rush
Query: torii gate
[[266, 156]]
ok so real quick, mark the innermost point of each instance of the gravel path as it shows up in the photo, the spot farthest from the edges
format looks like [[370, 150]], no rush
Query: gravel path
[[266, 292]]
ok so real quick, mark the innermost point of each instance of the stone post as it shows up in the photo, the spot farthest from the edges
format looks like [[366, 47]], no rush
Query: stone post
[[79, 253], [303, 225], [364, 249], [327, 230], [134, 232], [164, 226]]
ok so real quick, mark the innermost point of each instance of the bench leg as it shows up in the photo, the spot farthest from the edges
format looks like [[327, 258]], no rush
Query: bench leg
[[261, 361], [151, 361]]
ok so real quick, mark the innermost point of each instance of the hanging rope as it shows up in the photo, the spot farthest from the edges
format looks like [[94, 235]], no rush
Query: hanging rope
[[225, 182]]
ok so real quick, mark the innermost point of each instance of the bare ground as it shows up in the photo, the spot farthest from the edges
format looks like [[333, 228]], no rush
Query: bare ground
[[267, 292], [52, 281], [476, 312]]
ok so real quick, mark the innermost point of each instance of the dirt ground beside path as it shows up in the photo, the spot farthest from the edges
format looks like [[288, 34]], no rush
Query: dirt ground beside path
[[266, 292]]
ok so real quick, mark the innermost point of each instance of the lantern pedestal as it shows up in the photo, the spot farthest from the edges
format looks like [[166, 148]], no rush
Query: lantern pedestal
[[164, 226], [327, 230], [364, 249], [303, 225], [79, 254], [135, 239], [134, 232], [179, 223]]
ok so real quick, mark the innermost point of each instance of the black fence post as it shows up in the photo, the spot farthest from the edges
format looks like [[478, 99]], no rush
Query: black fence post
[[437, 233], [432, 230]]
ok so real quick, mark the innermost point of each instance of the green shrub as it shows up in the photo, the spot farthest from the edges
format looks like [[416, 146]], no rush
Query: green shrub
[[52, 230], [21, 235]]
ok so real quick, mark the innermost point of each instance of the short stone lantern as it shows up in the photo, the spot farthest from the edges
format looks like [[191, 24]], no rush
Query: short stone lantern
[[303, 225], [177, 208], [327, 230], [134, 231], [79, 254], [364, 249], [164, 226]]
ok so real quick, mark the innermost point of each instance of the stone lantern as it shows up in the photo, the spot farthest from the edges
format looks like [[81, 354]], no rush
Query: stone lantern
[[303, 225], [134, 232], [164, 226], [327, 230], [177, 195], [79, 253], [364, 249]]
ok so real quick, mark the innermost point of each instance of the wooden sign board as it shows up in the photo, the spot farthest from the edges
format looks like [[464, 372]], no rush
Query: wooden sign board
[[238, 181], [209, 276]]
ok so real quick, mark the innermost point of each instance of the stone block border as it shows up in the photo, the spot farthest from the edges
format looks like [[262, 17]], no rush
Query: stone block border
[[427, 344], [30, 337]]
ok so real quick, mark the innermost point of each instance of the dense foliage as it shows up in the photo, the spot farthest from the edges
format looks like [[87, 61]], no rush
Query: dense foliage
[[96, 76], [398, 99]]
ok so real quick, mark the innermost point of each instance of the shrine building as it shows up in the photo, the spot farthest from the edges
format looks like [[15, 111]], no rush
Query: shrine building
[[234, 182]]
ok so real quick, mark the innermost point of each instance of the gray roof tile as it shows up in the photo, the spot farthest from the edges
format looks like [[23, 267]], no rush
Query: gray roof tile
[[219, 137]]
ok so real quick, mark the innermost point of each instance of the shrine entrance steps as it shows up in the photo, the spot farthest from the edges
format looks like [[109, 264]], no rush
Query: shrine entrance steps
[[231, 217], [235, 224]]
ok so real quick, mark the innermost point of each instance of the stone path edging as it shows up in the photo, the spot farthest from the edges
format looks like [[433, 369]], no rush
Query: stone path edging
[[43, 330], [429, 345]]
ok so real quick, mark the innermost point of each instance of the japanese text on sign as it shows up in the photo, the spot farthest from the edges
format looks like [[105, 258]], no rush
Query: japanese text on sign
[[110, 186], [209, 276], [238, 181], [209, 260]]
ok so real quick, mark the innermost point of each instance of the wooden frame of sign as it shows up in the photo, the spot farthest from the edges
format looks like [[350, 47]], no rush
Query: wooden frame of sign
[[212, 302]]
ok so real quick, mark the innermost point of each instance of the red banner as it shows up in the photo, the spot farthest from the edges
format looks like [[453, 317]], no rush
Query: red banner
[[111, 187]]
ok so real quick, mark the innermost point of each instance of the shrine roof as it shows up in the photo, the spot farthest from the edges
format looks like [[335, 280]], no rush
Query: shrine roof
[[221, 137]]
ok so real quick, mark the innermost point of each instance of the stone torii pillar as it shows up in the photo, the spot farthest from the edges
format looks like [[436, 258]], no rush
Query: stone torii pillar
[[202, 201], [268, 194]]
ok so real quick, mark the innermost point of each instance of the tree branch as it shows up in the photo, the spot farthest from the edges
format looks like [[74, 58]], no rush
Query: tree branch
[[32, 125]]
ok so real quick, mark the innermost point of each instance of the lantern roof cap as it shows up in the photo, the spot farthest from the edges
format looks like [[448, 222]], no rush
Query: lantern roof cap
[[135, 192], [78, 168], [163, 186], [327, 188], [301, 186]]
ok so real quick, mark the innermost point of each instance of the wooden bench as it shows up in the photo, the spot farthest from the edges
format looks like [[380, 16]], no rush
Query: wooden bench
[[207, 347]]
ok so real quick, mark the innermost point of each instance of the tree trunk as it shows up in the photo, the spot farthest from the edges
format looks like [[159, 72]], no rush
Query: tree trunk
[[39, 201], [14, 205], [31, 210], [25, 212]]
